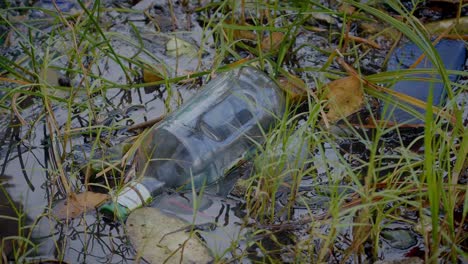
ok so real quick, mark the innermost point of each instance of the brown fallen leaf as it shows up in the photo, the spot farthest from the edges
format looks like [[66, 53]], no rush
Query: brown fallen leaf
[[74, 207], [244, 35], [272, 42], [241, 34], [347, 8], [297, 91], [344, 97], [294, 87], [155, 74], [400, 96]]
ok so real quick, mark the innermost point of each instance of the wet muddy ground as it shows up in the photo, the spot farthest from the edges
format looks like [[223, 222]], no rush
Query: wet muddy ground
[[27, 171]]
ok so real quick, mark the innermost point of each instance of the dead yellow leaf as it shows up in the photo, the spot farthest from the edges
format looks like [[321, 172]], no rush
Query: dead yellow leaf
[[272, 42], [347, 9], [240, 34], [344, 97], [294, 87], [244, 35], [155, 74], [75, 206], [460, 26]]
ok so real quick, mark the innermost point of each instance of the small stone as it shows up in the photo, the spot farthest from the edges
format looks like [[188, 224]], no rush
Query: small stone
[[161, 238], [399, 238]]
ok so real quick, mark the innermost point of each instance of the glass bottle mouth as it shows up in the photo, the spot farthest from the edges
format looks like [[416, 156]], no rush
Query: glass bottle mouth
[[114, 211]]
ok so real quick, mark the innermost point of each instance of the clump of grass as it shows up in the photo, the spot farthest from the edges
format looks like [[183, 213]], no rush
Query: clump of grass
[[425, 182]]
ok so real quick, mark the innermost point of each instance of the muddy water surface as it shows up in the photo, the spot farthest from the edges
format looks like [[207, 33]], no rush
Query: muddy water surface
[[30, 179]]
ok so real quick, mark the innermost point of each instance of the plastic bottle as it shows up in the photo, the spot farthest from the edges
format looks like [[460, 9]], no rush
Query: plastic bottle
[[204, 138]]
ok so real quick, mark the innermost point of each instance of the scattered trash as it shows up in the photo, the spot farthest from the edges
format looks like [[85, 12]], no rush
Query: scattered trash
[[453, 56], [160, 238], [399, 238], [203, 139], [77, 204]]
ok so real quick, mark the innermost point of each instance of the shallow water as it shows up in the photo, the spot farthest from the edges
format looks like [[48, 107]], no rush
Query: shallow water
[[29, 181]]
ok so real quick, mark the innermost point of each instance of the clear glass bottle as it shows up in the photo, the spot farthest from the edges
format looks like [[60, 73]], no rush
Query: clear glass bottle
[[205, 137]]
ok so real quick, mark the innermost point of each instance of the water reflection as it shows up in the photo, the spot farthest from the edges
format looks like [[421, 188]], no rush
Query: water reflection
[[217, 218]]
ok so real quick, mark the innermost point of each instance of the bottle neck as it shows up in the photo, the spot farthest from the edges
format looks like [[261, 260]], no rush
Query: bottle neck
[[153, 185], [138, 194]]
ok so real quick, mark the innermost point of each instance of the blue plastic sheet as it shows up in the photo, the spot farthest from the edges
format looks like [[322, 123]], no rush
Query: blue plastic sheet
[[452, 54]]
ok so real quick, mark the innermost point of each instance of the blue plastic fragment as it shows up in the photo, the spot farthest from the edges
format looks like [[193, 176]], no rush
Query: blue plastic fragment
[[452, 54], [62, 5]]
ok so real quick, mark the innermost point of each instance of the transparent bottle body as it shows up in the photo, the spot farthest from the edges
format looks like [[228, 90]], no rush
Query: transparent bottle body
[[204, 138]]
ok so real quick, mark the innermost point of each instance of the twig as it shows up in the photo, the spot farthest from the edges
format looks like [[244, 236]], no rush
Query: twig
[[146, 124], [422, 56], [23, 168], [14, 81], [53, 130], [383, 124], [290, 225], [363, 40], [456, 37], [15, 110], [390, 51], [173, 16]]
